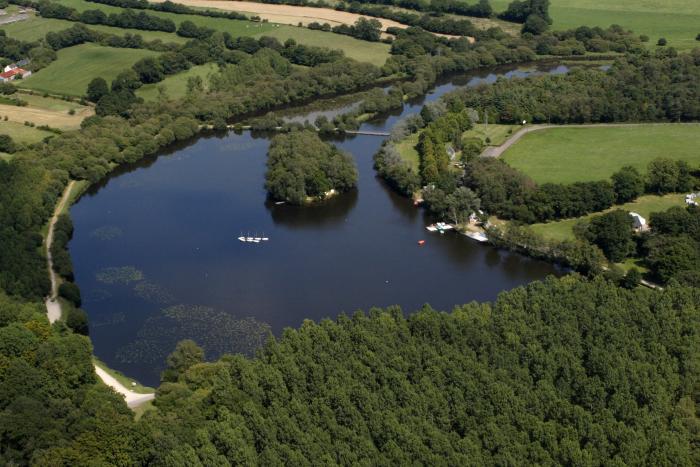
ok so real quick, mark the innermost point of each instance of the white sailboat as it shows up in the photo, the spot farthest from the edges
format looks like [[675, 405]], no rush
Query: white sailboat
[[241, 238], [264, 238]]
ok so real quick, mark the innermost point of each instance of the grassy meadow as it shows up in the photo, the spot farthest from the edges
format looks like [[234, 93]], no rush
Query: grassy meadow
[[176, 85], [566, 155], [407, 149], [644, 205], [22, 133], [77, 66], [36, 28], [496, 134], [676, 20]]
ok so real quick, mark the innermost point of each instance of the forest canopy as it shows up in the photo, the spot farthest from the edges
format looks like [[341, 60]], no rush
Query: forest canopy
[[301, 167]]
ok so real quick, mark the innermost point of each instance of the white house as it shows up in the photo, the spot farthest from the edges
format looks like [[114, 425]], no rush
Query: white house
[[639, 223], [691, 199]]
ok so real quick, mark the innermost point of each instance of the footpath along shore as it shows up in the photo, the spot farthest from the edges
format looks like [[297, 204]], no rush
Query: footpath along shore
[[53, 309]]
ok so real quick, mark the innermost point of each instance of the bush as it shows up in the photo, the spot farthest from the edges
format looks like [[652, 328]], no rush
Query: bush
[[77, 320], [662, 42], [71, 292]]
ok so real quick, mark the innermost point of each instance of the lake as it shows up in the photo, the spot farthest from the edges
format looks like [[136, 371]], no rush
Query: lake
[[157, 260]]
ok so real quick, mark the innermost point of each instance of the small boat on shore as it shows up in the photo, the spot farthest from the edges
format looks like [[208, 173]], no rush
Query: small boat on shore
[[439, 227], [478, 236]]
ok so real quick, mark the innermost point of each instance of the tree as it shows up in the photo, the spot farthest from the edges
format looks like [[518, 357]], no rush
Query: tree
[[612, 232], [186, 354], [631, 279], [149, 70], [461, 203], [670, 256], [71, 292], [662, 176], [7, 144], [628, 184], [97, 89], [662, 42], [77, 320], [535, 25]]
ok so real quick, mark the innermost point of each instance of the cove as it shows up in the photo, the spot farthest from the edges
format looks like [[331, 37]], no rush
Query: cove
[[157, 260]]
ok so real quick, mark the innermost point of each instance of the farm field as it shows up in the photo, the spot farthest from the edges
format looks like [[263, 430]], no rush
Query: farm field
[[60, 119], [232, 26], [644, 205], [375, 53], [176, 85], [566, 155], [371, 52], [77, 66], [22, 133], [36, 28], [676, 20], [285, 14]]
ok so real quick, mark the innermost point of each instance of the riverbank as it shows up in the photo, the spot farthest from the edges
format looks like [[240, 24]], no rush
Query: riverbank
[[133, 397]]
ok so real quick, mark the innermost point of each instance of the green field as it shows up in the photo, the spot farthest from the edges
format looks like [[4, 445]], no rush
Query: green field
[[49, 103], [363, 51], [497, 134], [676, 20], [372, 52], [644, 205], [77, 66], [407, 149], [566, 155], [36, 28], [22, 133], [176, 85]]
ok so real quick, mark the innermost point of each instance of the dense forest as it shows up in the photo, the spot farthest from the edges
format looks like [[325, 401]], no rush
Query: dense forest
[[566, 371], [301, 167]]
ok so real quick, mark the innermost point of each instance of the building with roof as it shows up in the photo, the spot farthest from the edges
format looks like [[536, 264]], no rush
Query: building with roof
[[14, 73]]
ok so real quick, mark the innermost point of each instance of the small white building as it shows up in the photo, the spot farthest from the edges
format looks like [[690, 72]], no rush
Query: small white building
[[691, 199], [638, 222]]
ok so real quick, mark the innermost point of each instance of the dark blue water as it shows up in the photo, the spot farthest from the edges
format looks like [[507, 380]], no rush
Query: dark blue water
[[170, 225]]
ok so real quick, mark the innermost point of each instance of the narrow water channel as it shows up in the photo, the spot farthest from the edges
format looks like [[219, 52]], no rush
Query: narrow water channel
[[156, 257]]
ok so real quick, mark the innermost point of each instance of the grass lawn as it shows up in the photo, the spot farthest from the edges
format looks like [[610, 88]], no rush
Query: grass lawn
[[36, 28], [77, 66], [22, 133], [644, 205], [566, 155], [407, 149], [676, 20], [497, 134], [124, 380], [176, 85]]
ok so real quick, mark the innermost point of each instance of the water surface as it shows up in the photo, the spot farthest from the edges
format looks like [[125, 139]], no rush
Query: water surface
[[157, 259]]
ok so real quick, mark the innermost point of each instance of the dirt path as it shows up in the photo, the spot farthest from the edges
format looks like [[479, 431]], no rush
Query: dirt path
[[133, 399], [497, 151], [53, 307], [290, 14]]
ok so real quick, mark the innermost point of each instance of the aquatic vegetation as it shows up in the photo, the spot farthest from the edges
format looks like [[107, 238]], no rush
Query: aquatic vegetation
[[107, 232], [217, 332], [119, 275], [153, 293]]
